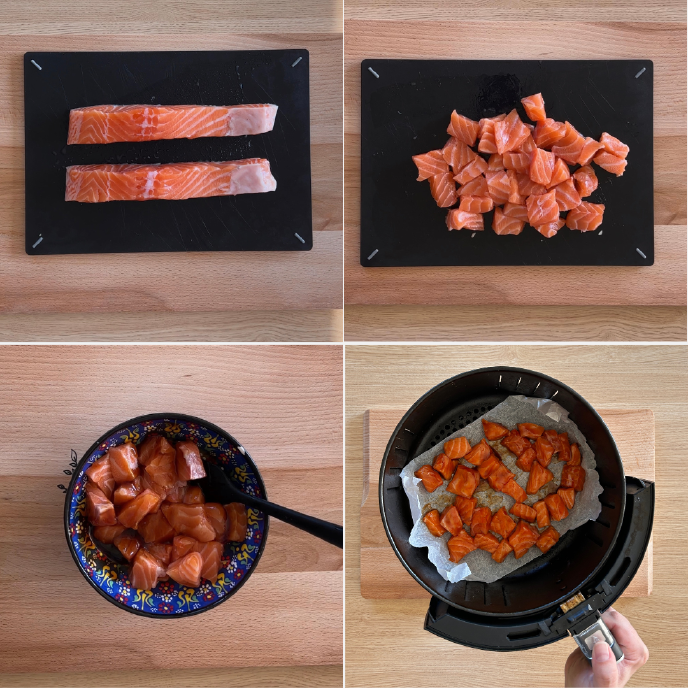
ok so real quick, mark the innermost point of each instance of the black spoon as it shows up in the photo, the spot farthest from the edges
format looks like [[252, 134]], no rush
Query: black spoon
[[217, 487]]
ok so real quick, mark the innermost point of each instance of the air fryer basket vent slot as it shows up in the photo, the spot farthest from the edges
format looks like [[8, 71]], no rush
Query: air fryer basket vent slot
[[622, 569]]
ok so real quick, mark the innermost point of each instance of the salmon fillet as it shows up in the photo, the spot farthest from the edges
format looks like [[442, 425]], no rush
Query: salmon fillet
[[171, 181], [459, 219], [534, 107], [113, 123], [585, 217], [504, 224], [567, 196]]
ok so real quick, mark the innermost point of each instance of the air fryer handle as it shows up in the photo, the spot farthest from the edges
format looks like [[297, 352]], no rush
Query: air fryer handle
[[596, 633]]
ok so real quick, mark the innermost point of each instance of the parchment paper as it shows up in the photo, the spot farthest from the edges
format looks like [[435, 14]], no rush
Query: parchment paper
[[479, 565]]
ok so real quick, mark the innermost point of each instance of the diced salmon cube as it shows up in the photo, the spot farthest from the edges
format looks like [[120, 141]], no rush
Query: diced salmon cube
[[127, 491], [107, 534], [479, 453], [523, 538], [155, 528], [575, 459], [527, 513], [513, 489], [464, 482], [450, 520], [489, 466], [502, 523], [488, 542], [460, 545], [101, 475], [556, 507], [183, 544], [124, 463], [565, 451], [193, 495], [494, 431], [515, 443], [187, 570], [547, 540], [100, 511], [237, 518], [143, 504], [544, 451], [466, 507], [542, 514], [539, 476], [457, 448], [502, 552], [444, 466], [189, 464], [568, 495], [530, 430], [146, 571], [128, 543], [430, 477], [525, 461], [153, 447], [500, 478], [553, 438], [432, 521], [573, 476], [480, 524]]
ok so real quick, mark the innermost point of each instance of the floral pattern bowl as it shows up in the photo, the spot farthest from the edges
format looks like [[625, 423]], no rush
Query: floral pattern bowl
[[168, 599]]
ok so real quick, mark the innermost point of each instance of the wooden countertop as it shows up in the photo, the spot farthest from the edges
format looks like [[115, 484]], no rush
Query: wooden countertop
[[305, 288], [284, 627], [385, 641], [638, 303]]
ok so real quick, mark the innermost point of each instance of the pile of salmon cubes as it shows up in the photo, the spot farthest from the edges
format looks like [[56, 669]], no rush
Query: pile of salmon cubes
[[537, 174]]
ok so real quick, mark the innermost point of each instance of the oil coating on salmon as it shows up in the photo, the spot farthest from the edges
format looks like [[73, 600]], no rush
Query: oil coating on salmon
[[114, 123], [172, 181]]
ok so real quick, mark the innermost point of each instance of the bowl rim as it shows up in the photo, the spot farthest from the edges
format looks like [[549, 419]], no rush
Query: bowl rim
[[122, 426]]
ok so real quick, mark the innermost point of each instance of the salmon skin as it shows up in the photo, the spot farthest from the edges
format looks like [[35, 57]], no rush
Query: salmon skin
[[129, 123], [167, 182]]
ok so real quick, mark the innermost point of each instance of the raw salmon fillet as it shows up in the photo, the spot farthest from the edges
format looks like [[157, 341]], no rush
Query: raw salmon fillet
[[124, 463], [459, 219], [560, 173], [152, 447], [541, 167], [171, 181], [570, 146], [476, 187], [101, 475], [516, 211], [549, 229], [520, 162], [189, 519], [162, 551], [528, 146], [162, 471], [612, 145], [585, 217], [499, 186], [107, 534], [495, 163], [211, 553], [567, 196], [237, 518], [443, 189], [113, 123], [471, 171], [134, 511], [543, 208], [534, 107], [186, 570], [430, 164], [217, 516], [510, 133], [99, 509], [487, 137], [146, 571], [182, 545], [611, 163], [585, 180], [155, 528], [127, 491], [527, 187], [548, 132], [462, 128], [590, 148], [457, 155]]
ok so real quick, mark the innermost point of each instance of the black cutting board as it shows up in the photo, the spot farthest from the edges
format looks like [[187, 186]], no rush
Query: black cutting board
[[405, 110], [251, 222]]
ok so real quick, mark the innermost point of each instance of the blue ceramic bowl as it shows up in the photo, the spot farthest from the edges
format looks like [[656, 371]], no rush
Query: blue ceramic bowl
[[168, 599]]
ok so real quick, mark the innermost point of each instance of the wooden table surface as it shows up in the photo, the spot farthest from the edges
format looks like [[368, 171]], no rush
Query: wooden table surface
[[534, 303], [283, 403], [385, 641], [186, 295]]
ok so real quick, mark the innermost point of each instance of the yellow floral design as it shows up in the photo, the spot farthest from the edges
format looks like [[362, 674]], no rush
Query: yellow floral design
[[173, 428], [244, 554], [187, 595], [252, 517], [143, 596], [241, 474], [109, 575]]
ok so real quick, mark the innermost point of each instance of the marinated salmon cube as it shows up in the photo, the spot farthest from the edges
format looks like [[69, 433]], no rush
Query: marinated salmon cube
[[107, 534], [153, 447], [523, 538], [124, 463], [100, 474], [480, 524], [527, 513], [539, 476], [444, 466], [450, 520], [432, 521], [182, 545], [479, 453], [100, 511], [218, 519], [430, 477], [133, 512], [544, 451], [568, 496], [513, 489], [457, 448], [237, 518], [128, 543], [189, 519], [530, 430], [148, 484], [500, 478], [466, 507], [547, 540], [162, 471], [542, 514], [573, 476], [162, 551], [515, 443], [488, 542], [525, 461], [146, 571], [127, 491], [556, 507], [502, 552], [155, 528], [193, 495], [494, 431], [211, 552], [553, 438], [575, 459], [460, 545], [489, 466], [187, 569], [189, 463], [464, 482], [502, 523], [176, 493], [565, 451]]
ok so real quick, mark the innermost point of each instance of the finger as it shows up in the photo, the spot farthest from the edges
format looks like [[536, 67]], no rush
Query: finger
[[633, 647], [577, 672], [604, 671]]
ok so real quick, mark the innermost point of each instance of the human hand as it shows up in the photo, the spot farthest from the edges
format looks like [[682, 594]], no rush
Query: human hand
[[605, 672]]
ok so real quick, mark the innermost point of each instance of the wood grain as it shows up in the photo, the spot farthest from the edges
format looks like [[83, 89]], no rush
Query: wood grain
[[383, 576], [514, 323], [228, 326], [385, 641], [663, 284], [276, 400], [213, 282]]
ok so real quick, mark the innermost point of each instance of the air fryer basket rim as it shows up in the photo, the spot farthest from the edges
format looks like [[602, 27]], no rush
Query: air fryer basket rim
[[596, 419]]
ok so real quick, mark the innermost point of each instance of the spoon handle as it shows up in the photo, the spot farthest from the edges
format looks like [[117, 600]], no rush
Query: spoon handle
[[330, 532]]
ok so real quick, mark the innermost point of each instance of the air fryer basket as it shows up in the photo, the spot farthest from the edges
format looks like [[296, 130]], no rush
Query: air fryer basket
[[548, 580]]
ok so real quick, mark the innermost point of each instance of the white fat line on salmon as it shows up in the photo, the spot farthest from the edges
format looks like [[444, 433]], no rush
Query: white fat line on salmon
[[641, 253], [301, 239], [372, 254], [373, 72], [295, 62], [35, 64], [640, 72], [40, 238]]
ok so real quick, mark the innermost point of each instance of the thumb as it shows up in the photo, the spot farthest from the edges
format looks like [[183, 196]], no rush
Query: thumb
[[604, 671]]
